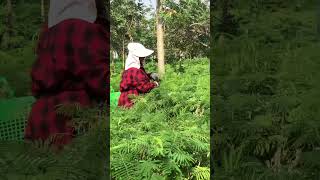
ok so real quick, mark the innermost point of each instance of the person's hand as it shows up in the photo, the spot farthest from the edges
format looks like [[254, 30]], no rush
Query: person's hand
[[156, 83], [154, 76]]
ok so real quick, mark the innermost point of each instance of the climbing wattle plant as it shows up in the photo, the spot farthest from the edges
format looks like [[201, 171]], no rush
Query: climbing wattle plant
[[266, 93], [166, 134], [84, 159], [5, 89]]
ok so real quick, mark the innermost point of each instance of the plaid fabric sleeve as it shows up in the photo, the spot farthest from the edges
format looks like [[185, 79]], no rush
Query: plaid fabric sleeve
[[78, 51], [42, 75], [92, 65], [35, 89], [143, 82], [148, 74]]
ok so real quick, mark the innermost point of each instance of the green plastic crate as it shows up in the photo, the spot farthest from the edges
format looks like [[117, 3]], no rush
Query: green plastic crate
[[13, 117], [114, 96]]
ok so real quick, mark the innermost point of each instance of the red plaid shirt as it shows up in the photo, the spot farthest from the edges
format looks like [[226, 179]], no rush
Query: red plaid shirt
[[72, 66], [134, 82]]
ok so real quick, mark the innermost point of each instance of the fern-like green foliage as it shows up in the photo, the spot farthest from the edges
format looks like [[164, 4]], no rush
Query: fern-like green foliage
[[201, 173], [17, 47], [266, 93], [85, 158], [5, 89], [166, 134]]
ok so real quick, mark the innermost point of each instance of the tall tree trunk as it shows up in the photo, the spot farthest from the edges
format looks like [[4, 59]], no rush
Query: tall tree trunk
[[113, 68], [9, 17], [318, 19], [42, 11], [8, 31], [123, 58], [160, 39], [46, 9]]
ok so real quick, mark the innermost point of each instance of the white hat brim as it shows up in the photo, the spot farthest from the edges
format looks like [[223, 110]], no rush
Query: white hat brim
[[143, 52]]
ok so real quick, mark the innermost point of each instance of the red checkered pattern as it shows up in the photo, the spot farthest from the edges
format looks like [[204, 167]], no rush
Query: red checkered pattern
[[72, 66], [134, 82]]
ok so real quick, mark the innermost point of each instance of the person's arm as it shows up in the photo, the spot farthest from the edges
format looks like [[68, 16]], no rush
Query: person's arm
[[43, 76], [35, 89], [96, 78], [93, 67], [143, 82], [149, 74]]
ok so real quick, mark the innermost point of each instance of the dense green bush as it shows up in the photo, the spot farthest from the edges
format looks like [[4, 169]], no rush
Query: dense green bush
[[85, 159], [15, 66], [17, 51], [5, 89], [266, 95], [166, 134]]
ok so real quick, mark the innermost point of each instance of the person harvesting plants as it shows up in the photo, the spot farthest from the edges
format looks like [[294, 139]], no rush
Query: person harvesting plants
[[72, 66], [135, 80]]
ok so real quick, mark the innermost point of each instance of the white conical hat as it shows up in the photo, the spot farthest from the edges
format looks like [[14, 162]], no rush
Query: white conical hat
[[136, 50], [61, 10], [139, 50]]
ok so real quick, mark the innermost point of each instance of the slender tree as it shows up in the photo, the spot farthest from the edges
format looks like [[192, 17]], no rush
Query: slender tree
[[318, 19], [8, 33], [43, 11], [9, 14], [160, 39]]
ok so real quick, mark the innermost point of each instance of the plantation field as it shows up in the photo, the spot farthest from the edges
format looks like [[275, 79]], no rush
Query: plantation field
[[166, 134], [266, 92]]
